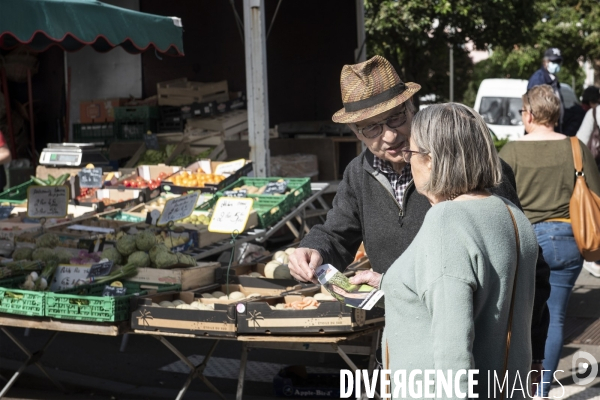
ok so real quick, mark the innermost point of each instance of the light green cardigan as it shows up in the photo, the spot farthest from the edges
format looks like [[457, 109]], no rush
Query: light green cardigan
[[447, 297]]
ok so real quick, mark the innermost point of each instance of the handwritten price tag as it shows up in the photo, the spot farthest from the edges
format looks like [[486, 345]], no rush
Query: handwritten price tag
[[47, 201], [236, 193], [178, 208], [90, 178], [230, 215], [66, 276], [276, 187]]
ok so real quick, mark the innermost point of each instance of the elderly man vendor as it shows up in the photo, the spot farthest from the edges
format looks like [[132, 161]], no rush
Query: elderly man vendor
[[376, 202]]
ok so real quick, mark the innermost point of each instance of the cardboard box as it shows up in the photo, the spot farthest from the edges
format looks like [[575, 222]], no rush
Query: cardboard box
[[229, 123], [123, 198], [202, 274], [257, 317], [219, 322], [149, 172], [180, 92], [12, 227], [102, 110]]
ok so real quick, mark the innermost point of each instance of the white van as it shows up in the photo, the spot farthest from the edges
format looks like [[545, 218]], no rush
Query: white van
[[498, 102]]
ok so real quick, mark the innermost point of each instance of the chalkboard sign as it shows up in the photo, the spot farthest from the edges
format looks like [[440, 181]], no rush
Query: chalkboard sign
[[230, 215], [114, 291], [90, 178], [151, 141], [235, 193], [100, 269], [276, 187], [5, 211], [47, 201], [178, 208]]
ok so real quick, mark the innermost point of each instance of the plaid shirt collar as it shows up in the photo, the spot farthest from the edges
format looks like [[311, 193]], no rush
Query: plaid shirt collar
[[399, 181]]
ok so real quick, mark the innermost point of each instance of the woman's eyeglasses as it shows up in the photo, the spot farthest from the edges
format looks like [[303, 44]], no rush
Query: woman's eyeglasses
[[530, 111], [407, 154], [374, 130]]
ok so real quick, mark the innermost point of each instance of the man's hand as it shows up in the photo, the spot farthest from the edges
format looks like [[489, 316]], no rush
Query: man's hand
[[302, 263]]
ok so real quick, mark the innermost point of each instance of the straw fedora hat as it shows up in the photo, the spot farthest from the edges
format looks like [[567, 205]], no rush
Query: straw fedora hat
[[371, 88]]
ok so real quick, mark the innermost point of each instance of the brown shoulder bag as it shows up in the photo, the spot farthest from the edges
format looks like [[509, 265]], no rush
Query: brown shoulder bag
[[585, 210]]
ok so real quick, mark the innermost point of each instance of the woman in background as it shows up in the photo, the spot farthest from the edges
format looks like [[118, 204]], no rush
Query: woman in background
[[544, 170]]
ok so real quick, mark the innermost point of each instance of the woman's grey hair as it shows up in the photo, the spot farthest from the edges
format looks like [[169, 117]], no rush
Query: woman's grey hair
[[462, 151]]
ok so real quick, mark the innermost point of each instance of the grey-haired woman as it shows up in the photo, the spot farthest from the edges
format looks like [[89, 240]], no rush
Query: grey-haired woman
[[448, 297]]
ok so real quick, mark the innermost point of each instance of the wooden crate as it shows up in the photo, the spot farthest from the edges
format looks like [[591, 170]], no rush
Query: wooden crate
[[202, 274], [180, 92]]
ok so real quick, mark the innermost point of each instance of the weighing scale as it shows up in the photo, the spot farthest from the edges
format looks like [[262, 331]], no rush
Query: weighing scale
[[73, 155]]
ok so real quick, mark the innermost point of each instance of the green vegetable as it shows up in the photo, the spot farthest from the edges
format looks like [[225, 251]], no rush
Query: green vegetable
[[145, 240], [50, 180], [45, 254], [139, 258], [49, 240], [341, 280], [64, 256], [113, 255], [38, 181], [22, 253], [61, 179], [165, 259], [19, 268], [155, 250], [126, 245]]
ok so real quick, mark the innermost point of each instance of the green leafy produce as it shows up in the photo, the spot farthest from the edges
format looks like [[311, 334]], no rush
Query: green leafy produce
[[169, 149], [19, 268], [22, 253], [139, 258], [152, 157], [45, 255], [64, 256], [126, 245], [145, 240], [166, 259], [49, 240], [113, 255], [341, 280], [155, 250]]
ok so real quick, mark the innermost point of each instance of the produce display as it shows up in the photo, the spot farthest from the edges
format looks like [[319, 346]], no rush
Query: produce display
[[183, 160], [51, 180], [139, 182], [195, 179], [154, 157]]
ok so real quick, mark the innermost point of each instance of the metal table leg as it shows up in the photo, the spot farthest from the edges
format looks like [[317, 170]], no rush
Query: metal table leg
[[32, 358], [350, 364], [196, 372], [242, 375]]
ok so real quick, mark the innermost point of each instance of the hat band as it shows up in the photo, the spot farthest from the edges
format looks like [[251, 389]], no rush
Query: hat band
[[377, 99]]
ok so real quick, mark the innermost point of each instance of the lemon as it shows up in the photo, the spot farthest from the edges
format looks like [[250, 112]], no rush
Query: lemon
[[90, 166], [116, 284]]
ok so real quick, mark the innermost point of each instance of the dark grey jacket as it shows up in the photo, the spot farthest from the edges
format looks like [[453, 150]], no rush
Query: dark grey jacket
[[365, 210]]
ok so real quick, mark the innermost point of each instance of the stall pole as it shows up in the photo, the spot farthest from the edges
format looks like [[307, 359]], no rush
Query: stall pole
[[11, 130], [256, 85], [31, 122], [242, 374]]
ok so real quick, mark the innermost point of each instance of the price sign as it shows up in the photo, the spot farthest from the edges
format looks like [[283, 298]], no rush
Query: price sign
[[47, 201], [276, 187], [90, 177], [236, 193], [114, 291], [178, 208], [100, 269], [230, 215], [229, 168], [67, 276], [151, 141]]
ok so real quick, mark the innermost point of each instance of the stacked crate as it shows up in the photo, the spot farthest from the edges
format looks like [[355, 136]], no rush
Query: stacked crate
[[131, 123]]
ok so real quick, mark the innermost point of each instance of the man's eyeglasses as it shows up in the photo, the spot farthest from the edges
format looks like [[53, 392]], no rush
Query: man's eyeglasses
[[407, 154], [374, 130]]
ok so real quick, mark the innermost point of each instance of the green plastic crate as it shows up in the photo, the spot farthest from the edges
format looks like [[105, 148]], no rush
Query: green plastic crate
[[85, 303], [99, 132], [299, 190], [16, 194], [18, 301], [135, 113], [136, 129]]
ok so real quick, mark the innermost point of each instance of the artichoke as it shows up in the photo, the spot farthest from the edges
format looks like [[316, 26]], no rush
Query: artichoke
[[22, 253], [64, 256], [45, 254], [155, 250], [145, 240], [126, 245], [139, 258], [49, 240], [165, 259], [113, 255]]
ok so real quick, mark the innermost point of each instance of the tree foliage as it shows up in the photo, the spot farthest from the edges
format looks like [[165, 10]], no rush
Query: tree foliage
[[415, 34]]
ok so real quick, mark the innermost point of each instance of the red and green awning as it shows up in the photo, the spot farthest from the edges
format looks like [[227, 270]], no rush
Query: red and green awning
[[73, 24]]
